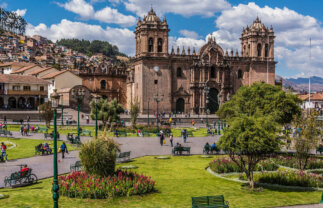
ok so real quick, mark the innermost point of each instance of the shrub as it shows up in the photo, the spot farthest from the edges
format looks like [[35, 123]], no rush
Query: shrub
[[291, 178], [292, 162], [99, 156], [226, 165], [82, 185]]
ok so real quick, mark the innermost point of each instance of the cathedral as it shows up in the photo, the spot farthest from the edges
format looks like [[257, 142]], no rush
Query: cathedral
[[197, 82]]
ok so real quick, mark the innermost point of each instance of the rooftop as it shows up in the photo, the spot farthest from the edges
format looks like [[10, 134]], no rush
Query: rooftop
[[21, 79], [54, 74]]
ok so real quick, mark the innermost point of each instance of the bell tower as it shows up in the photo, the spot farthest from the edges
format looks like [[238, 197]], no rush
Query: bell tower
[[151, 36], [257, 41]]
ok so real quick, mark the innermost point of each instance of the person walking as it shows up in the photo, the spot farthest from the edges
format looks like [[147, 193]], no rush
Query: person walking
[[184, 135], [171, 140], [22, 130], [3, 151], [161, 139], [63, 150]]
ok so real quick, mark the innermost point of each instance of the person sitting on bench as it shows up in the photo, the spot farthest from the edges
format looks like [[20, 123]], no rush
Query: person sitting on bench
[[207, 148], [47, 149]]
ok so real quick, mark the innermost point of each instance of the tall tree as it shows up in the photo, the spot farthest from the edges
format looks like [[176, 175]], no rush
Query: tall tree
[[108, 112], [134, 111], [46, 112], [307, 136]]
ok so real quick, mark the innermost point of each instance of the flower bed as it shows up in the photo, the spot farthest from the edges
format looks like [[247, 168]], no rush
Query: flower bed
[[288, 161], [81, 185], [226, 165], [289, 178]]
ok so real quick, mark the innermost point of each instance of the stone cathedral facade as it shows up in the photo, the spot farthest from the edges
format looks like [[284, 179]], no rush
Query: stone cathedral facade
[[195, 81]]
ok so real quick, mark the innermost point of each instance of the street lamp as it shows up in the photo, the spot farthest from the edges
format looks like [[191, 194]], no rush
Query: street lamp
[[206, 91], [55, 99], [96, 116], [157, 101], [79, 95], [38, 107], [62, 107]]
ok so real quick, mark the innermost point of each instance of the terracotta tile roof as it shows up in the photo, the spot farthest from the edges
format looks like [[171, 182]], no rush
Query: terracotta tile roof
[[23, 69], [22, 64], [39, 70], [14, 78], [314, 97], [54, 74]]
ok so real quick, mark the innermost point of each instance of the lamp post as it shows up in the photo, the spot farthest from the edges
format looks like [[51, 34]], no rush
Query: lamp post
[[157, 101], [38, 107], [55, 99], [79, 95], [62, 107], [207, 111], [96, 116]]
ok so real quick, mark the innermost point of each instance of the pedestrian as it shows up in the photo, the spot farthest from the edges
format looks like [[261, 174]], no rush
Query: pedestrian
[[66, 121], [63, 150], [28, 119], [161, 139], [87, 119], [171, 140], [3, 151], [184, 135], [5, 119], [193, 122], [22, 130]]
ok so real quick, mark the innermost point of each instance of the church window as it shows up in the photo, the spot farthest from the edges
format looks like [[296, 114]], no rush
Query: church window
[[179, 72], [103, 84], [266, 50], [240, 74], [160, 45], [151, 45], [259, 50], [213, 74]]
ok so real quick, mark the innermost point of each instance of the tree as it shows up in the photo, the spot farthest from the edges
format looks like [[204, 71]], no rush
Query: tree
[[46, 112], [134, 111], [249, 140], [254, 115], [307, 137], [262, 99], [108, 112], [99, 156]]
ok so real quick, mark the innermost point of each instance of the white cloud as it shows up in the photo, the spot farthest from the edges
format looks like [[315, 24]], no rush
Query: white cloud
[[109, 15], [3, 5], [187, 8], [292, 31], [21, 12], [80, 7], [122, 37], [106, 15], [189, 34]]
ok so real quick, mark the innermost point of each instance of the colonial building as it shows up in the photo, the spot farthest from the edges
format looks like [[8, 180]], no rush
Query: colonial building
[[106, 80], [193, 81]]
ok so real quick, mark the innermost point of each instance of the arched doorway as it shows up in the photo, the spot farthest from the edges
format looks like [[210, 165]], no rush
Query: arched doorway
[[21, 102], [31, 102], [12, 102], [1, 102], [213, 104], [180, 105]]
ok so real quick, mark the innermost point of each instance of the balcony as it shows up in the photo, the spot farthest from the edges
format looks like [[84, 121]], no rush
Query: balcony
[[31, 92]]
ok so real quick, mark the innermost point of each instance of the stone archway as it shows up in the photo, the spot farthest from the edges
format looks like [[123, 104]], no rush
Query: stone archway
[[12, 103], [180, 105], [213, 104], [21, 102]]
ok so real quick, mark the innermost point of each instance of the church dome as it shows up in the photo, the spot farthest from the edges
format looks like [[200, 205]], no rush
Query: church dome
[[257, 25], [151, 17]]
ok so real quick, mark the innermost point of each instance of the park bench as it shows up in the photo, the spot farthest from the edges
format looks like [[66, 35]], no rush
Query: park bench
[[20, 178], [71, 122], [120, 133], [145, 133], [77, 166], [319, 149], [168, 132], [75, 140], [209, 201], [51, 135], [38, 150], [210, 150], [42, 130], [5, 133], [86, 132], [189, 133], [124, 156], [19, 121], [180, 150]]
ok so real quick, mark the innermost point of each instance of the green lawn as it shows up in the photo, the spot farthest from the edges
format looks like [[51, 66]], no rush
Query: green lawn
[[26, 147], [64, 130], [177, 179]]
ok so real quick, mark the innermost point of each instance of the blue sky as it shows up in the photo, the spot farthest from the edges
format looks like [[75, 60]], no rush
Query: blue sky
[[190, 21]]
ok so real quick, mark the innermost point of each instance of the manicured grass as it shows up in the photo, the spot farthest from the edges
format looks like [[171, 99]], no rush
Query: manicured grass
[[177, 179], [64, 130], [26, 147]]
